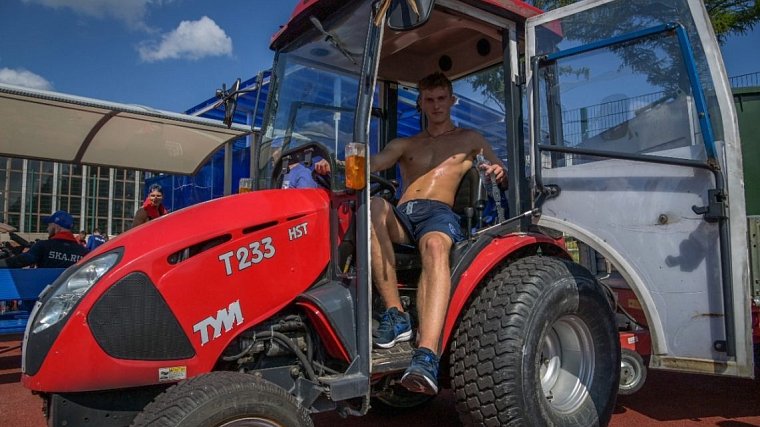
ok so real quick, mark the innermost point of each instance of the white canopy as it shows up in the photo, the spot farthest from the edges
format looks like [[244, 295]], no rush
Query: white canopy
[[52, 126]]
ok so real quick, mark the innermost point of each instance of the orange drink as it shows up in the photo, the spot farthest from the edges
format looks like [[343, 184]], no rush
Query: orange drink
[[245, 185], [356, 173]]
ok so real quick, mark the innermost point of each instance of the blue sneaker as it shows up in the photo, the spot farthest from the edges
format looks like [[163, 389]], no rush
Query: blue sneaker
[[422, 375], [394, 327]]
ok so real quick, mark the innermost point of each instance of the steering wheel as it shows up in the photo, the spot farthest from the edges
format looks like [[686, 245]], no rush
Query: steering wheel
[[321, 180], [379, 185]]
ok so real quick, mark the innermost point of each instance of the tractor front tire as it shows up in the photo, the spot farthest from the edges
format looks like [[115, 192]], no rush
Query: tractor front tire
[[226, 399], [537, 346]]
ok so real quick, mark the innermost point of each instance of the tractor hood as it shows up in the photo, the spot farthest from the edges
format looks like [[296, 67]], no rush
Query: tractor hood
[[182, 287], [51, 126], [229, 216]]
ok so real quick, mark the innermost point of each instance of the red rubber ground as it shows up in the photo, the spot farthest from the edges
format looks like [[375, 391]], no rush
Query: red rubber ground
[[667, 399]]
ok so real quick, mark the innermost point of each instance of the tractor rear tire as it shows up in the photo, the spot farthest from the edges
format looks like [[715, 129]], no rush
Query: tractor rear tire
[[537, 346], [224, 399]]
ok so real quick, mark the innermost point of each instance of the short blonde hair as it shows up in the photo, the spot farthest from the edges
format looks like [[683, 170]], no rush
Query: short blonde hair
[[435, 80]]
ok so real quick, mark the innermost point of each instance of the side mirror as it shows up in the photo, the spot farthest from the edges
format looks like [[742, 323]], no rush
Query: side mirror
[[409, 14]]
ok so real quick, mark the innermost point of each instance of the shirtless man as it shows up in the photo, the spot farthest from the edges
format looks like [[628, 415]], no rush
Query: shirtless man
[[432, 164]]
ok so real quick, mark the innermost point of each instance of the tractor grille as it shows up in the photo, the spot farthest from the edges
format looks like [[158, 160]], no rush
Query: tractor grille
[[132, 321]]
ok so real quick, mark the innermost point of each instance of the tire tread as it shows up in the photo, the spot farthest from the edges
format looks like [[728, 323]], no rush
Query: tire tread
[[489, 339], [175, 404]]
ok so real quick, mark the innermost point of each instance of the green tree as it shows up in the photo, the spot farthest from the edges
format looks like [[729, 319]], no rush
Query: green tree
[[732, 17], [728, 17]]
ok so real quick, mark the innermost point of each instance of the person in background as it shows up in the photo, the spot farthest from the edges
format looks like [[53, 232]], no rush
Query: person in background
[[95, 240], [299, 176], [152, 208], [60, 250], [82, 237]]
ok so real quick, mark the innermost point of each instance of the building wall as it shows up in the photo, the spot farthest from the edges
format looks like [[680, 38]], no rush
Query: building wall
[[97, 197]]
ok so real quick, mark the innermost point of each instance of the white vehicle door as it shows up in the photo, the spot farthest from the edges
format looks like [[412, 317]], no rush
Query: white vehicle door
[[635, 152]]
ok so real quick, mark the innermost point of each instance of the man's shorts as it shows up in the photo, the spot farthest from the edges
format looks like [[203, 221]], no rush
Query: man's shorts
[[420, 217]]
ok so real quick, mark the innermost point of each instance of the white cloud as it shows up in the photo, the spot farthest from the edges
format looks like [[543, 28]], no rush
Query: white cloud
[[24, 78], [190, 40], [132, 12]]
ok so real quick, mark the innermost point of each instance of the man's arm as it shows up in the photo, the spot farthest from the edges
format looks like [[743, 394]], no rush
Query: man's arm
[[32, 256], [378, 162], [388, 157]]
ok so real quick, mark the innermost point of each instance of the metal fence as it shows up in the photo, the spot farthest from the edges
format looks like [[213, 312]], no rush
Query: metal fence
[[745, 80], [584, 123]]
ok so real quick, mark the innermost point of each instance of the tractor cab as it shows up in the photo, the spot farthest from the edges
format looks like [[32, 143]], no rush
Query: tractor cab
[[320, 100]]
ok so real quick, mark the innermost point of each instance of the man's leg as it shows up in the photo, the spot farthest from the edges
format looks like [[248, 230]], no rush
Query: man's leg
[[386, 229], [394, 325], [432, 303], [434, 288]]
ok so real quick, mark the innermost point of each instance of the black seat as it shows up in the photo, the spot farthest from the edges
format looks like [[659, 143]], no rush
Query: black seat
[[469, 195]]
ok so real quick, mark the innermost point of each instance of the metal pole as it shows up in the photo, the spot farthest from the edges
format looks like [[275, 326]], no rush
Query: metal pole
[[254, 138], [228, 169]]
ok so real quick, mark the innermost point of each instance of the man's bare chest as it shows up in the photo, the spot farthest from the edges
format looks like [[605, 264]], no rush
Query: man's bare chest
[[431, 153]]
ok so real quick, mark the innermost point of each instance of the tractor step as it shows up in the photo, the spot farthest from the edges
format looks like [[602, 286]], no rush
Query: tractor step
[[396, 358]]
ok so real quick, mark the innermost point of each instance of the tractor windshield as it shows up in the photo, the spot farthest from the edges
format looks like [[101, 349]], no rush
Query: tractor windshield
[[314, 89]]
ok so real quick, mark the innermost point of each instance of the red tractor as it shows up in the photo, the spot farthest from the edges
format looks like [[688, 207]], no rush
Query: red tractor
[[258, 307]]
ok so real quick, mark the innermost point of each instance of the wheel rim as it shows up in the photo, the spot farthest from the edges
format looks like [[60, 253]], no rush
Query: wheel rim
[[251, 422], [630, 373], [567, 364]]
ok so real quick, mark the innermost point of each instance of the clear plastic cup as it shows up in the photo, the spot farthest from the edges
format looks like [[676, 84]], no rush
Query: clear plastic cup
[[245, 185], [356, 173]]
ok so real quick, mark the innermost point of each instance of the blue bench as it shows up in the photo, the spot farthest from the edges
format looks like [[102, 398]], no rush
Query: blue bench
[[22, 284]]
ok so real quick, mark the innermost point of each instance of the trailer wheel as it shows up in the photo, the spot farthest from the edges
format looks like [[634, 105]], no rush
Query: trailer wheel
[[224, 399], [537, 346], [633, 372]]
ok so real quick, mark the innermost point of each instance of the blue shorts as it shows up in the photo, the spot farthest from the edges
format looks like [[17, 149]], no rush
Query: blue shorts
[[420, 217]]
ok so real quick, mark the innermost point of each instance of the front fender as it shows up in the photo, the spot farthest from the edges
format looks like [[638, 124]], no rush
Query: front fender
[[496, 252]]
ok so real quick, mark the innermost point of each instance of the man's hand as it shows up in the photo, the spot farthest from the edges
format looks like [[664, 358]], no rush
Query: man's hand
[[489, 163], [322, 167], [497, 172]]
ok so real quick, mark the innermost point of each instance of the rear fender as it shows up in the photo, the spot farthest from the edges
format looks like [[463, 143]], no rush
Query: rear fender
[[499, 250]]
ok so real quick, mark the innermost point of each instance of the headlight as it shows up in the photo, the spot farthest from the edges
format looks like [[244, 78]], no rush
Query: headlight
[[64, 297]]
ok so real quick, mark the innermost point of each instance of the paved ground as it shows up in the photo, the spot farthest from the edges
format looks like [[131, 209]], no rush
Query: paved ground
[[667, 399]]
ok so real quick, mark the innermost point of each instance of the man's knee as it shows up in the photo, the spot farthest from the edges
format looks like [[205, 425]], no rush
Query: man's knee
[[435, 244], [379, 209]]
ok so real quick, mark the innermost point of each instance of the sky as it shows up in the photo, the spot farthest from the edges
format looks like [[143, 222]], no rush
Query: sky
[[165, 54], [168, 54]]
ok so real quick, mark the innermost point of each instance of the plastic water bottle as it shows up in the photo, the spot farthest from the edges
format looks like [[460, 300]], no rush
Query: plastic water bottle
[[491, 186]]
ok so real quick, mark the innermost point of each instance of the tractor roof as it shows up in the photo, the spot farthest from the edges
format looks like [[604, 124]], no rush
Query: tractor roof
[[461, 36], [515, 10]]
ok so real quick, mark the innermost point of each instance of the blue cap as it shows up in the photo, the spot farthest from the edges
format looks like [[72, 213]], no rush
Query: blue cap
[[61, 218]]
